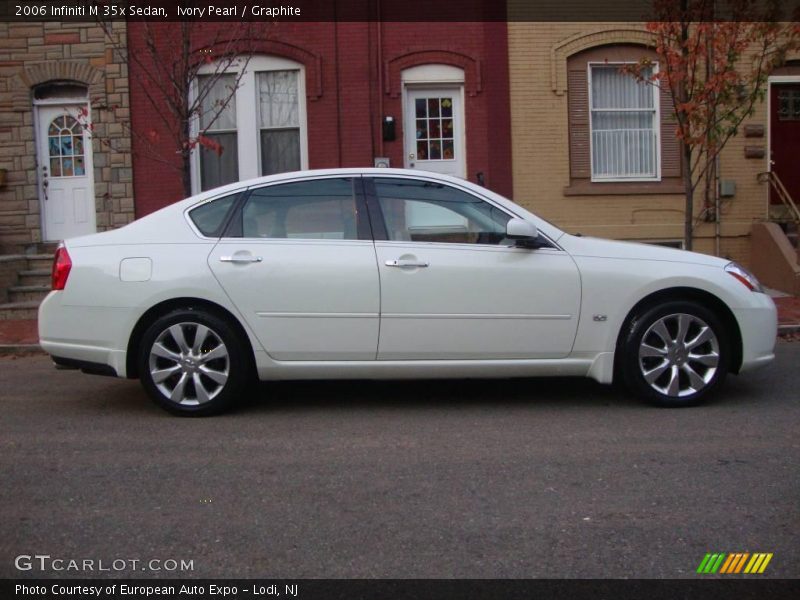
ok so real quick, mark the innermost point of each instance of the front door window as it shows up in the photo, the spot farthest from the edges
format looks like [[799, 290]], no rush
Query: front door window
[[65, 146], [434, 118]]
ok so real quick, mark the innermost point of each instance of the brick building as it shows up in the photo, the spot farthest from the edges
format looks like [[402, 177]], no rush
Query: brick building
[[504, 104], [341, 94], [565, 75]]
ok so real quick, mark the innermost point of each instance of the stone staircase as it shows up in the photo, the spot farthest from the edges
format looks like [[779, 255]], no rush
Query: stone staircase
[[25, 281]]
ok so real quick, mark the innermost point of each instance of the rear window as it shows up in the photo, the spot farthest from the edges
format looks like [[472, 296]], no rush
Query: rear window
[[210, 217]]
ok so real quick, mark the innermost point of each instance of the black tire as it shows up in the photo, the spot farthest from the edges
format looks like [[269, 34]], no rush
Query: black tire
[[205, 377], [670, 359]]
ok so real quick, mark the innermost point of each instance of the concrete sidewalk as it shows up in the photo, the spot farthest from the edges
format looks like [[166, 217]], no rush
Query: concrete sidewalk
[[20, 336]]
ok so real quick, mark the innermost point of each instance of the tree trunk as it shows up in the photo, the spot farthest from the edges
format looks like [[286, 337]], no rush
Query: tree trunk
[[686, 159], [186, 155], [683, 96], [186, 174]]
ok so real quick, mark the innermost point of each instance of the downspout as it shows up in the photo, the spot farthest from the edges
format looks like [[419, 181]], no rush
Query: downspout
[[338, 84], [717, 213], [380, 76]]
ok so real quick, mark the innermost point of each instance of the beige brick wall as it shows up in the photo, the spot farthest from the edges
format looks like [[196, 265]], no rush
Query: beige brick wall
[[31, 54], [540, 150]]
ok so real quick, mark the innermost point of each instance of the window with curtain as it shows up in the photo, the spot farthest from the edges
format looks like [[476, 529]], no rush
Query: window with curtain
[[278, 121], [261, 129], [218, 121], [624, 125]]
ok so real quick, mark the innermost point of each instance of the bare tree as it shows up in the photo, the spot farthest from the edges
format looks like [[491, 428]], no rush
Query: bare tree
[[189, 72]]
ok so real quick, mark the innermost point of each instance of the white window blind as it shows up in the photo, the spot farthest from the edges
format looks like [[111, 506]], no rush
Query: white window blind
[[218, 120], [623, 125], [279, 121]]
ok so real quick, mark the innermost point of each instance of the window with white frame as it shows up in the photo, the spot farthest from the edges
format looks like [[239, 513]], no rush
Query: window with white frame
[[218, 121], [624, 124], [261, 129]]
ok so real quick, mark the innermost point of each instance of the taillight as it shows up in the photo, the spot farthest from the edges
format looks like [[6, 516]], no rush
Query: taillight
[[62, 264]]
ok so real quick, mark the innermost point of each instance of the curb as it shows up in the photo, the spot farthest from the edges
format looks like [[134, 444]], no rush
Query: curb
[[788, 329], [20, 349]]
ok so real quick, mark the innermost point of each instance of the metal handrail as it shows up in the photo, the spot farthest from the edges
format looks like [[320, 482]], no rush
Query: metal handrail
[[783, 193]]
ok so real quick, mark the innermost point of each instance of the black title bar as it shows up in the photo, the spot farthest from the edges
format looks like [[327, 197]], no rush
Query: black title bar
[[400, 589], [366, 10]]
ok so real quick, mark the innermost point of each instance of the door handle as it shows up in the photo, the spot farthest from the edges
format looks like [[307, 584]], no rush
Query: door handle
[[240, 259], [406, 263]]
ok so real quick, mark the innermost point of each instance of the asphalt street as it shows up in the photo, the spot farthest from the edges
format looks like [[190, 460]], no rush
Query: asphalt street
[[468, 479]]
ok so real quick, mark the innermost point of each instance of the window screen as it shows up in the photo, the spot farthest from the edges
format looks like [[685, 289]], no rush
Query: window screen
[[623, 123]]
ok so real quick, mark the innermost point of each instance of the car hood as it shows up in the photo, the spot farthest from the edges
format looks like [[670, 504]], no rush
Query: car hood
[[600, 248]]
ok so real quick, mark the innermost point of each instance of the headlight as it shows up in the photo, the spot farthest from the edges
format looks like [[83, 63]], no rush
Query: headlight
[[745, 276]]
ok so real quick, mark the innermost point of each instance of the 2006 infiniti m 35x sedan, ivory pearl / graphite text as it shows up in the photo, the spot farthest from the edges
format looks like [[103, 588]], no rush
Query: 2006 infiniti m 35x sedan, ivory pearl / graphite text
[[386, 273]]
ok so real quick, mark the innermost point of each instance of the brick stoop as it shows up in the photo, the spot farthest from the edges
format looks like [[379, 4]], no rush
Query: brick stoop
[[24, 282], [788, 314], [19, 336], [19, 332]]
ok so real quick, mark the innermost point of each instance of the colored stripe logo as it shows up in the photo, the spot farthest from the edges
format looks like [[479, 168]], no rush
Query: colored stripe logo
[[734, 563]]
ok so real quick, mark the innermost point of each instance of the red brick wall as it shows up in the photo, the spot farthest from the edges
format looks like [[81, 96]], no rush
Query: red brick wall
[[344, 63]]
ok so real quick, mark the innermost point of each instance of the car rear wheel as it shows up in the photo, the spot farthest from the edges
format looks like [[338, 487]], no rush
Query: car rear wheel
[[675, 354], [192, 362]]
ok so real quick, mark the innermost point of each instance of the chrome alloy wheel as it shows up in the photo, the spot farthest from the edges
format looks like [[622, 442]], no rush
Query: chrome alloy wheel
[[679, 355], [189, 363]]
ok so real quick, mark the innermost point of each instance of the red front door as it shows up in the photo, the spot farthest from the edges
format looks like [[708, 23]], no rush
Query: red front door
[[785, 137]]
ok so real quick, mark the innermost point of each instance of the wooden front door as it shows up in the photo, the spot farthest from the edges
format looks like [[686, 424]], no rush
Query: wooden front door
[[785, 137]]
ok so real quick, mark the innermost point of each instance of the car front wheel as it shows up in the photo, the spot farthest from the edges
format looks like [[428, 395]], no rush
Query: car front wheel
[[675, 354], [192, 363]]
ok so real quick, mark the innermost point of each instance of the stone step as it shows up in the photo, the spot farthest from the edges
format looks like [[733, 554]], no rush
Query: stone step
[[35, 277], [41, 257], [47, 248], [19, 310], [28, 293], [40, 261]]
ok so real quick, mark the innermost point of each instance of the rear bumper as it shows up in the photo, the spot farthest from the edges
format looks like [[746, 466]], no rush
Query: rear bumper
[[759, 327], [83, 366], [84, 335], [89, 359]]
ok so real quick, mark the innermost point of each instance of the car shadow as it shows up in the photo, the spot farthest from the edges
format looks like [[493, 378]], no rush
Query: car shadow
[[421, 394], [554, 393]]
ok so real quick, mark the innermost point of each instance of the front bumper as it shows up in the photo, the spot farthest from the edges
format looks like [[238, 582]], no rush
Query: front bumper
[[758, 325]]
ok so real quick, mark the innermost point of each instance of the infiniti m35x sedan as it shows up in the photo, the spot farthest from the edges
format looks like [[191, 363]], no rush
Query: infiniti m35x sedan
[[387, 274]]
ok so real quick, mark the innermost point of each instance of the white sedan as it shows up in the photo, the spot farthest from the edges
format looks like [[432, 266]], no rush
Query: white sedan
[[386, 274]]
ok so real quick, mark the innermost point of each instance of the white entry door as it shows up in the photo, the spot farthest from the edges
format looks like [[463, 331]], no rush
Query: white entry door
[[66, 186], [434, 130]]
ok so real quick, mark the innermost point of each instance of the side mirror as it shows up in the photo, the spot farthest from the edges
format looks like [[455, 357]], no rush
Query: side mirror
[[523, 232]]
